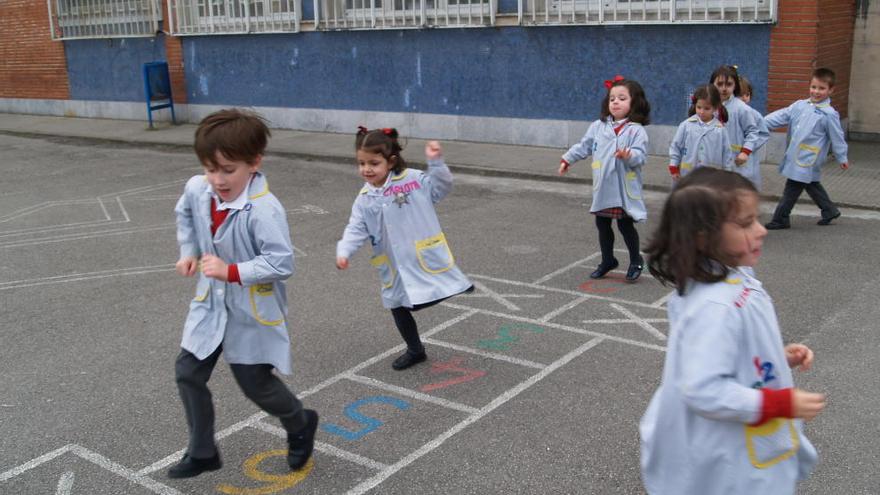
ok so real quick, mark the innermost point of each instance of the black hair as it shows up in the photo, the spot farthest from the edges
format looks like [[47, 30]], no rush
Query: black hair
[[826, 75], [639, 108], [727, 72], [239, 135], [382, 141], [709, 93], [686, 246]]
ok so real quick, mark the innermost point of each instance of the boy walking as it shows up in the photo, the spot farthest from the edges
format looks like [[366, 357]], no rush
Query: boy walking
[[813, 128], [233, 232]]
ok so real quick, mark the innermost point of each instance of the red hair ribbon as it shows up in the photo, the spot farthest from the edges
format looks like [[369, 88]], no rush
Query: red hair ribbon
[[387, 131], [610, 82], [694, 99]]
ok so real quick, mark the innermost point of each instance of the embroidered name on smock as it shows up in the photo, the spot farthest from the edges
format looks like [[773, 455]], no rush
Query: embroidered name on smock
[[402, 189], [742, 298]]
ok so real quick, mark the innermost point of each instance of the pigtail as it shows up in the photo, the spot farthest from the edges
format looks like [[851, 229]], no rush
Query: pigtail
[[723, 116], [384, 141], [693, 108]]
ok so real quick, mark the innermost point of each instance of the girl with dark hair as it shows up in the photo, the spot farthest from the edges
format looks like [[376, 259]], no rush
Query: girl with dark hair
[[726, 417], [395, 212], [701, 140], [618, 143], [745, 126]]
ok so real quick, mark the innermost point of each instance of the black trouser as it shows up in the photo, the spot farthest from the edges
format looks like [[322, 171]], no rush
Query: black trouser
[[627, 229], [406, 324], [792, 192], [257, 382]]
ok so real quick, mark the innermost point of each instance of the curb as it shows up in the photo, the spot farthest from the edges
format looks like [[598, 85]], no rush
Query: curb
[[338, 159]]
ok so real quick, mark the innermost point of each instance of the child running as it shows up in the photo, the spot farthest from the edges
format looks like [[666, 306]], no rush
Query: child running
[[701, 140], [233, 232], [745, 126], [395, 212], [723, 419], [813, 129], [618, 143]]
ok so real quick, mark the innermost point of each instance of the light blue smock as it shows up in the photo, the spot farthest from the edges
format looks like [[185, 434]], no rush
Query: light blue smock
[[616, 182], [813, 129], [410, 250], [746, 129], [700, 144], [249, 319], [696, 439]]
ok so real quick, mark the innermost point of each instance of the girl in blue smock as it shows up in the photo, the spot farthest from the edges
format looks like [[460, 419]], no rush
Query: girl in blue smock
[[745, 126], [394, 210], [726, 418], [618, 143], [701, 140]]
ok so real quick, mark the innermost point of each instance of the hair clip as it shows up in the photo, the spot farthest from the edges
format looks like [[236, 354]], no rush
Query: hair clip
[[362, 130], [735, 67], [610, 82], [694, 99]]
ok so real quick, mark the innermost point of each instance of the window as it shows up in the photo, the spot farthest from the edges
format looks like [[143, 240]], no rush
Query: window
[[78, 19], [370, 14], [233, 16]]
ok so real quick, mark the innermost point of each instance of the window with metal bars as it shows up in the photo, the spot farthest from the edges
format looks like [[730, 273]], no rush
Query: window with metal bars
[[233, 16], [83, 19]]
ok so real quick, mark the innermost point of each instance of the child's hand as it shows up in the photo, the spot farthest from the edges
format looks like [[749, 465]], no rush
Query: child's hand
[[623, 153], [741, 158], [806, 404], [214, 267], [799, 356], [433, 150], [563, 166], [186, 266], [844, 166], [341, 263]]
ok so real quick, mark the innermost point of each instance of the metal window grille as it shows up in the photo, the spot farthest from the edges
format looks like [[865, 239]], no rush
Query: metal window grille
[[190, 17], [399, 14], [79, 19], [567, 12]]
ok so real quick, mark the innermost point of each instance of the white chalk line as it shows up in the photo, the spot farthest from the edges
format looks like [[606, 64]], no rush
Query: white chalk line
[[639, 321], [324, 448], [80, 277], [485, 354], [564, 269], [412, 394]]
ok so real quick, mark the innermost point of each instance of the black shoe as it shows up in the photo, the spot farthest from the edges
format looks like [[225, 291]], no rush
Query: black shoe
[[603, 269], [191, 466], [301, 444], [635, 271], [408, 359], [827, 221], [776, 226]]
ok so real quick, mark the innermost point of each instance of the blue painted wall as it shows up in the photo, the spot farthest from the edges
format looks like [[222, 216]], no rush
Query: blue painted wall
[[535, 72], [110, 69]]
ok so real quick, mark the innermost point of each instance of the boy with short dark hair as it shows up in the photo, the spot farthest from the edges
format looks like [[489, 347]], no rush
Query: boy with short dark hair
[[813, 129], [233, 232]]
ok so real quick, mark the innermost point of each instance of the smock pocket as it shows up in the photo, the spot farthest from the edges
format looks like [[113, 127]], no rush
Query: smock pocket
[[202, 290], [633, 186], [434, 254], [386, 271], [807, 155], [264, 305], [772, 442]]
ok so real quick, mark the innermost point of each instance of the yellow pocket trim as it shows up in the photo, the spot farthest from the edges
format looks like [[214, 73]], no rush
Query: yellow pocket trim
[[201, 298], [767, 429], [685, 166], [630, 176], [736, 147], [262, 290], [429, 243], [380, 260], [596, 165], [807, 147]]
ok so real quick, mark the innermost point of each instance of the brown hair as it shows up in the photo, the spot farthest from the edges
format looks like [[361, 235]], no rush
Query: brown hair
[[745, 86], [825, 75], [709, 93], [686, 246], [639, 108], [384, 142], [727, 72], [238, 135]]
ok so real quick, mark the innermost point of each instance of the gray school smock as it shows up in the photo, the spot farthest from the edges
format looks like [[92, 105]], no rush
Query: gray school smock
[[616, 182], [248, 319], [813, 129], [746, 129], [696, 439], [410, 251], [700, 144]]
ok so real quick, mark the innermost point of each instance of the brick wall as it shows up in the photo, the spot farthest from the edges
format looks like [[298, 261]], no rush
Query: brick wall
[[810, 34], [174, 57], [31, 64]]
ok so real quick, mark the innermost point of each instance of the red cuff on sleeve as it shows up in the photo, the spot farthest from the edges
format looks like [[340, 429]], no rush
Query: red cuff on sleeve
[[674, 170], [747, 151], [775, 403], [232, 274], [563, 160]]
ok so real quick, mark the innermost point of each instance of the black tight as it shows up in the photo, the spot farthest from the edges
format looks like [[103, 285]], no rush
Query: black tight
[[630, 235], [406, 325]]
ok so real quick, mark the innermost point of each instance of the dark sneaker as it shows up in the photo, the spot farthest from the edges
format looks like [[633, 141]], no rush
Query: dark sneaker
[[635, 271], [301, 444], [191, 466], [408, 359], [603, 269], [827, 221], [776, 226]]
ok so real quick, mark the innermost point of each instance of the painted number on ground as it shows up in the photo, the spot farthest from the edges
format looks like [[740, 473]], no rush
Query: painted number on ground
[[506, 336], [370, 423], [274, 483], [452, 366]]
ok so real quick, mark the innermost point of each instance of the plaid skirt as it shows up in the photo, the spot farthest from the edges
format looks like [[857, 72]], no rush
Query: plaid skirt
[[614, 213]]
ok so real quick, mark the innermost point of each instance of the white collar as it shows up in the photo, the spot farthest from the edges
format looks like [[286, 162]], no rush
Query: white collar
[[236, 204]]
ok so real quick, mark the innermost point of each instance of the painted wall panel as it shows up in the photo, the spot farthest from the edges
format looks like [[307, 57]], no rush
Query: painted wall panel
[[110, 69]]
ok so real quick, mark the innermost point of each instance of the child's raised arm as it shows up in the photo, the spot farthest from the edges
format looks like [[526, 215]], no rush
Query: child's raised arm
[[439, 178]]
